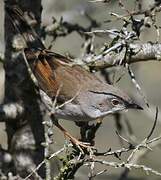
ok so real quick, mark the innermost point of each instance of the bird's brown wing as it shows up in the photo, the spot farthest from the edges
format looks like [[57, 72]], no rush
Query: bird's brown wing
[[55, 73]]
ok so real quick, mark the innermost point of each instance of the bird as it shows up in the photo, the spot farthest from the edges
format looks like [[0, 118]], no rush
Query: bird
[[88, 98]]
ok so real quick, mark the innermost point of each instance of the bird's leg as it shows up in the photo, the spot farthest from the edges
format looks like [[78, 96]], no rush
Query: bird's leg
[[67, 134]]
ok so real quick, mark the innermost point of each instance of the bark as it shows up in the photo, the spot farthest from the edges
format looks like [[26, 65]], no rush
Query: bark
[[137, 53], [24, 128]]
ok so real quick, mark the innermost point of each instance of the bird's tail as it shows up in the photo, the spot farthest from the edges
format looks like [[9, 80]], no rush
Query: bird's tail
[[17, 17]]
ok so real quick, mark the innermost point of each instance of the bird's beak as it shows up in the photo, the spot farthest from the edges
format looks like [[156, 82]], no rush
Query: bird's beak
[[134, 106]]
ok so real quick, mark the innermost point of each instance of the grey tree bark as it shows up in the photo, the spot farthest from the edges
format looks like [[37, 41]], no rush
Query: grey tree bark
[[22, 111]]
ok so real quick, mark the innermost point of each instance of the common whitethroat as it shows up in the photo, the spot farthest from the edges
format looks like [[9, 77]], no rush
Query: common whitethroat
[[90, 97]]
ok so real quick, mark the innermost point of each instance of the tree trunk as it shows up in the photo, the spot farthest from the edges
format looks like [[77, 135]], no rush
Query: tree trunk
[[25, 113]]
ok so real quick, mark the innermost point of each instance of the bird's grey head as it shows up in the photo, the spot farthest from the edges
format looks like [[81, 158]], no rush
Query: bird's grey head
[[98, 103]]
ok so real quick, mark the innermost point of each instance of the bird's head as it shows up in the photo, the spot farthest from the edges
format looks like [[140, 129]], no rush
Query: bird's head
[[100, 103]]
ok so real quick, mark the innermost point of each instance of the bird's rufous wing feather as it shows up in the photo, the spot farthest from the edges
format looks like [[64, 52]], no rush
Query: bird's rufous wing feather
[[53, 71]]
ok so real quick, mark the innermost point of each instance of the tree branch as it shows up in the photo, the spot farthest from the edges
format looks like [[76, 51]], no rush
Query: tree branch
[[139, 52]]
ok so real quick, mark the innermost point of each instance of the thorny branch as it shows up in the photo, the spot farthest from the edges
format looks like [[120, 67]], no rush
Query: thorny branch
[[122, 50], [76, 159]]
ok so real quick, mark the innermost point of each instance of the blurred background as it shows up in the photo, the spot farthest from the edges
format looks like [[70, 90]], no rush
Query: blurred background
[[147, 75]]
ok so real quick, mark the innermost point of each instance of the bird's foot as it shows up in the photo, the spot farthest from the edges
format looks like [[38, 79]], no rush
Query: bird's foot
[[77, 143]]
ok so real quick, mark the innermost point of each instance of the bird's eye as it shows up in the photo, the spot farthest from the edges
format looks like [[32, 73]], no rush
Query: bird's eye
[[115, 102]]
